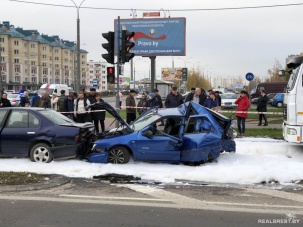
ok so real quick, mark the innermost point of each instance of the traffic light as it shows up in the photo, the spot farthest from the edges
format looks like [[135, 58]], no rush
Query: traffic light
[[111, 75], [110, 47], [127, 44], [184, 74]]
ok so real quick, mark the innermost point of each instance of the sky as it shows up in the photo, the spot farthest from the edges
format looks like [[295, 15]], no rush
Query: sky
[[220, 43], [254, 162]]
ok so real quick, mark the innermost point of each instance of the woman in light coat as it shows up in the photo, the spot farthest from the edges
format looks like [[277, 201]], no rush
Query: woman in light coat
[[54, 101]]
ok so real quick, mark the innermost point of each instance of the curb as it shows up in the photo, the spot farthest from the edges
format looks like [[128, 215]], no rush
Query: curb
[[54, 181]]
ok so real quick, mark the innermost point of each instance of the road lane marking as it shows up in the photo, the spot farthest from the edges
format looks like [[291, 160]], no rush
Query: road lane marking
[[113, 198], [280, 194]]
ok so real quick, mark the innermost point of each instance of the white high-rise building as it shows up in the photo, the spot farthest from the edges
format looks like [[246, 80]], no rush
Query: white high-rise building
[[97, 70], [224, 82]]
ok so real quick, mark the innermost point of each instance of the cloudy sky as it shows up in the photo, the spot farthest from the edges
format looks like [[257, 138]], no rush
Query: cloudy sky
[[222, 42]]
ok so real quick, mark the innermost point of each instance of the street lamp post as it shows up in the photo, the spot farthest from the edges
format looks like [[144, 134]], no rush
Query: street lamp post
[[78, 77]]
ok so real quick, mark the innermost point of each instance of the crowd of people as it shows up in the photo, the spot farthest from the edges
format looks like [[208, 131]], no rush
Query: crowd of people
[[74, 105]]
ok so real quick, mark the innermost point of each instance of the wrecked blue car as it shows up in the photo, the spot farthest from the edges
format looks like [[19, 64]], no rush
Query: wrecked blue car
[[191, 134]]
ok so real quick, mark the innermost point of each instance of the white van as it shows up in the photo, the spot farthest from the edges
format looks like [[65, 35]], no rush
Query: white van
[[54, 88]]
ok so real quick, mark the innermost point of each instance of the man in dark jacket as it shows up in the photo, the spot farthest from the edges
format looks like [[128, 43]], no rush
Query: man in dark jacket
[[159, 98], [45, 101], [190, 96], [262, 107], [211, 102], [197, 97], [62, 103], [4, 102], [152, 101], [131, 106], [173, 99], [92, 99]]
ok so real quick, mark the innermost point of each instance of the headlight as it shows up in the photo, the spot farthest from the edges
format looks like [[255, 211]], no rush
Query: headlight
[[291, 131]]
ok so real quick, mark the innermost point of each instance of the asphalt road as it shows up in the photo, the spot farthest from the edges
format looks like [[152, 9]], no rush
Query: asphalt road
[[85, 202]]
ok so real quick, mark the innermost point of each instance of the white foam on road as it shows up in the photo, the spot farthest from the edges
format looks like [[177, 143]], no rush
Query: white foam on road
[[256, 160]]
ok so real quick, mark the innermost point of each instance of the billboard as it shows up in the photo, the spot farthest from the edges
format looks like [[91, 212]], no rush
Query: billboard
[[172, 74], [156, 36], [124, 80]]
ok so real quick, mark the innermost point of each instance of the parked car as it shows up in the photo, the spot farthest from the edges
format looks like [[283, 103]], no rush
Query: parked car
[[14, 98], [277, 100], [192, 134], [42, 134], [269, 96], [228, 100], [9, 91]]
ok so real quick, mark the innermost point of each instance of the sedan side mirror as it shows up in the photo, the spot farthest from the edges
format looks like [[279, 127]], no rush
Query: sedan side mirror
[[148, 134]]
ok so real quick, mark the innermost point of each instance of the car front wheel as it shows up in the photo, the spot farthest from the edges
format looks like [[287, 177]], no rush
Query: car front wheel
[[279, 104], [41, 153], [118, 155]]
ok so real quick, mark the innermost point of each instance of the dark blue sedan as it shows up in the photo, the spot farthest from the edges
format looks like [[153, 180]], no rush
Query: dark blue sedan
[[41, 134], [191, 134]]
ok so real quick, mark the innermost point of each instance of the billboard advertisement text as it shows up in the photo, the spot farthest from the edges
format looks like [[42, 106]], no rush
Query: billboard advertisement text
[[157, 36]]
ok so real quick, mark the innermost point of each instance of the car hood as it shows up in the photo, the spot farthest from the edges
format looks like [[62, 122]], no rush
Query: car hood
[[112, 111], [79, 125]]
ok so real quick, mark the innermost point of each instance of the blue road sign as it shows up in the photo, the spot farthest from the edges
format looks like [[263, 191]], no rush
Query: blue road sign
[[249, 76]]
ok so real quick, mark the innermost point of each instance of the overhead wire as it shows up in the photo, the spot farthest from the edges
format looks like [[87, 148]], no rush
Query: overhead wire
[[171, 10]]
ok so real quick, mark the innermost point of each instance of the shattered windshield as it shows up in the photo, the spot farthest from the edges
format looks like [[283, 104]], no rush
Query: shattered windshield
[[145, 120]]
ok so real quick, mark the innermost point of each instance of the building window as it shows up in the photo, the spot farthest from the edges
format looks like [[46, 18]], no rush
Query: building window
[[66, 52], [44, 56], [2, 49], [91, 66], [83, 69], [16, 43], [103, 72], [97, 71], [44, 80], [33, 70], [50, 58], [2, 59], [82, 56], [103, 66], [56, 73], [33, 45], [83, 63], [44, 64], [66, 67], [25, 54], [91, 71], [33, 63], [103, 77], [16, 60], [44, 72], [56, 66], [2, 68], [44, 48], [16, 78], [56, 58], [34, 79], [56, 50], [103, 82], [33, 54], [17, 70], [25, 70], [103, 87], [16, 51], [25, 44], [2, 40], [25, 79], [65, 59]]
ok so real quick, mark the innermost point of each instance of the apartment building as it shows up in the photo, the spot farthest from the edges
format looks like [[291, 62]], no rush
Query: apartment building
[[30, 59], [97, 70]]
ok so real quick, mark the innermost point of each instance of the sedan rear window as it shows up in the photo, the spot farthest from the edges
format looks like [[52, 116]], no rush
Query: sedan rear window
[[56, 117]]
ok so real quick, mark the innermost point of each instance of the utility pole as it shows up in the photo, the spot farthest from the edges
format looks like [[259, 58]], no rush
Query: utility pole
[[118, 69]]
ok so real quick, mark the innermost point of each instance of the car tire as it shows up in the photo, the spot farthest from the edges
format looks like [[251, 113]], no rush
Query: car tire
[[118, 155], [41, 153], [279, 104]]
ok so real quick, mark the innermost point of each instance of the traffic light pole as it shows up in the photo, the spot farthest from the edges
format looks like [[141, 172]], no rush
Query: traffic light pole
[[118, 69], [153, 72]]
